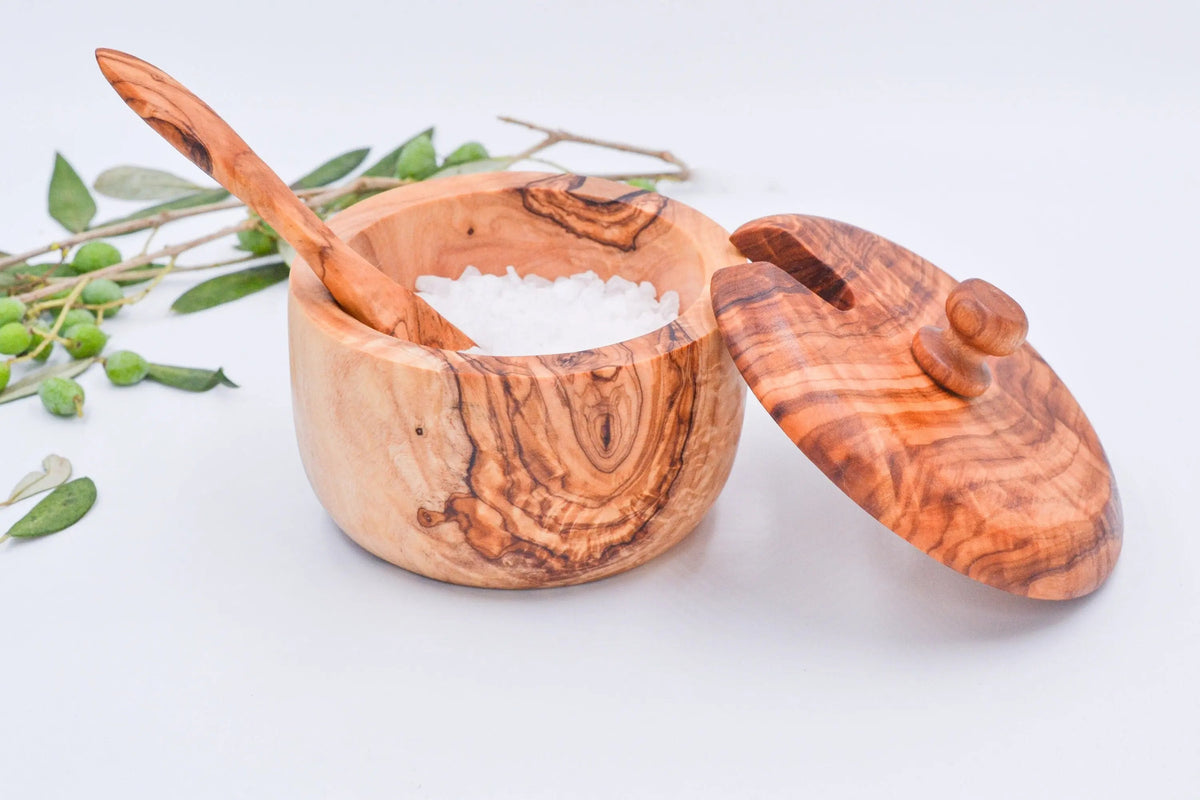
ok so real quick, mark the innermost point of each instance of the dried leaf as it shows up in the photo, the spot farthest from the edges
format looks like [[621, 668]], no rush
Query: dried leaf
[[229, 287], [333, 169], [386, 166], [482, 165], [61, 509], [29, 384], [71, 203], [287, 253], [142, 183], [56, 470], [187, 378]]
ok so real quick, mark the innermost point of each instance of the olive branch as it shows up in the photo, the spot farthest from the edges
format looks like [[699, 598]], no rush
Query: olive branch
[[63, 302]]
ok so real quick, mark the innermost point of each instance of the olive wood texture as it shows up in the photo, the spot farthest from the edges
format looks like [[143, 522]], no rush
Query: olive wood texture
[[1011, 489], [518, 472], [207, 141]]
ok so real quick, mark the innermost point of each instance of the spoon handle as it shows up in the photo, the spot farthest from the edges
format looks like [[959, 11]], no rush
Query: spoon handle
[[210, 143]]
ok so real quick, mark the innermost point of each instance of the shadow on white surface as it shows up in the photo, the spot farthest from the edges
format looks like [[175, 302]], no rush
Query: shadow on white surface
[[786, 554]]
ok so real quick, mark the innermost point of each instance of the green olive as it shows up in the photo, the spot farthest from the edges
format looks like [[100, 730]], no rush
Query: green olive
[[62, 396], [11, 310], [125, 368], [85, 340], [102, 291], [14, 338], [95, 255]]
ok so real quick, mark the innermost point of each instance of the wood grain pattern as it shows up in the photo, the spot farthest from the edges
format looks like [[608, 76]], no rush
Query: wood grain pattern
[[1012, 488], [519, 472], [207, 141]]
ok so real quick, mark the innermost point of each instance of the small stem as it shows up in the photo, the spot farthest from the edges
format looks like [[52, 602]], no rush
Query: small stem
[[150, 238], [133, 298], [647, 176], [121, 228], [324, 196], [137, 261], [158, 220], [5, 538], [554, 136], [52, 335], [150, 273]]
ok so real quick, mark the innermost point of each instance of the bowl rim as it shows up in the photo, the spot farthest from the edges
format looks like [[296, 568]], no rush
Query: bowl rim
[[310, 297]]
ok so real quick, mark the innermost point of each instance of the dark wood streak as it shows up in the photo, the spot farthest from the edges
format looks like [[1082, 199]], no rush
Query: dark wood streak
[[1012, 488], [615, 222], [778, 247], [597, 493]]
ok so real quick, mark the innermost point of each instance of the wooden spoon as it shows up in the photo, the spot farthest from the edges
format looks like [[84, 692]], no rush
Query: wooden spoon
[[195, 130]]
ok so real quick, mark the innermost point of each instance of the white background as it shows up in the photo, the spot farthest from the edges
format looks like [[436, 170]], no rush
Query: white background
[[208, 632]]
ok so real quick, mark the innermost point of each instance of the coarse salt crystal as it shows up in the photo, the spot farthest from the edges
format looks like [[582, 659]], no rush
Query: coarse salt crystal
[[531, 315]]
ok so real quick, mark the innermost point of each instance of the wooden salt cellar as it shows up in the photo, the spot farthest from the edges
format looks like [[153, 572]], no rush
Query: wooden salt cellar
[[518, 472]]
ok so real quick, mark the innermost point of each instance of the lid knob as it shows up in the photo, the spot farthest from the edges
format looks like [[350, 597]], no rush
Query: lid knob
[[984, 321]]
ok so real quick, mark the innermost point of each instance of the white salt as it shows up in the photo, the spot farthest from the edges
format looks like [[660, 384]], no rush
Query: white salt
[[512, 315]]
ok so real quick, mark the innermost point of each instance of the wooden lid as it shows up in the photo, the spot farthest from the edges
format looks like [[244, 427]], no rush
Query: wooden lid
[[850, 341]]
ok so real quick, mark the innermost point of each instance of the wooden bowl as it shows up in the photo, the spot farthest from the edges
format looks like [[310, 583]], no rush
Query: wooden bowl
[[528, 471]]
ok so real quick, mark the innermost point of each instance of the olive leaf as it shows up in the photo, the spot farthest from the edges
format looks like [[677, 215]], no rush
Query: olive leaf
[[645, 184], [29, 384], [468, 151], [229, 287], [142, 183], [71, 203], [201, 198], [386, 166], [481, 165], [61, 509], [333, 169], [187, 378], [55, 471], [417, 160], [47, 269]]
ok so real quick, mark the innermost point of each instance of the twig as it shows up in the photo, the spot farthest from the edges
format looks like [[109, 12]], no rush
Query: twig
[[140, 274], [554, 136], [120, 229], [52, 335], [133, 298], [314, 197], [136, 261]]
